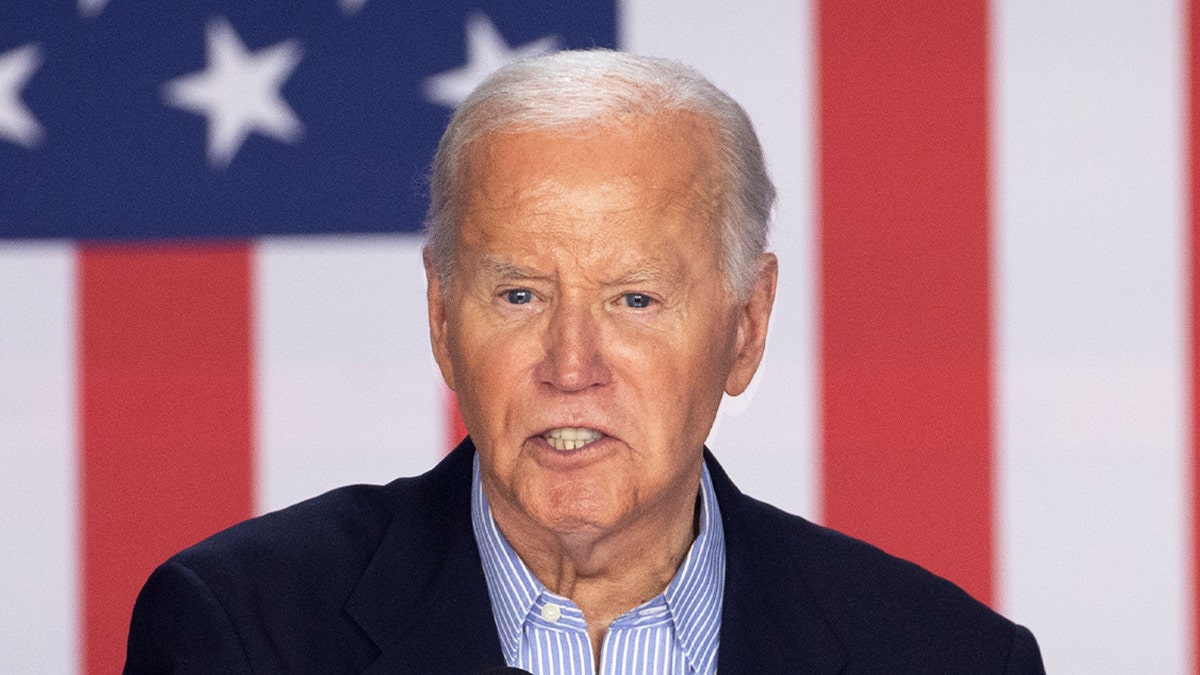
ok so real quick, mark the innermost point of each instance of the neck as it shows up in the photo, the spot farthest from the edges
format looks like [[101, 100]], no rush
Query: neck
[[605, 572]]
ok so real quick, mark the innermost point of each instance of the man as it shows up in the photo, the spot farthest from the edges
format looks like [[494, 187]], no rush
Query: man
[[597, 278]]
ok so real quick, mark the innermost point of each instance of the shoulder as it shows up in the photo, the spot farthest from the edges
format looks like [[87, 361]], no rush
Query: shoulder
[[337, 530], [852, 577], [335, 535], [885, 613], [273, 591], [885, 610]]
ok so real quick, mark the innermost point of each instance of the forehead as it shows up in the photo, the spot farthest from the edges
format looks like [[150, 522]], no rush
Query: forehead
[[641, 178]]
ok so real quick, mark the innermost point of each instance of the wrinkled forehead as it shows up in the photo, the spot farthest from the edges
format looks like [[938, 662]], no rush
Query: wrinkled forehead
[[669, 158]]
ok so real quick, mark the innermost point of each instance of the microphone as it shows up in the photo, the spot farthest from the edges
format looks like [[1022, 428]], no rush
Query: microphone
[[506, 670]]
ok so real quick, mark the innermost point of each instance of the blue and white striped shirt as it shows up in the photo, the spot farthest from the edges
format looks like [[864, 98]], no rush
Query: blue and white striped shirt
[[674, 633]]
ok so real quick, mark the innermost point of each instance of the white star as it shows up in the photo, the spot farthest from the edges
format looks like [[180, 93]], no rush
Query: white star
[[351, 6], [17, 124], [487, 52], [90, 8], [239, 92]]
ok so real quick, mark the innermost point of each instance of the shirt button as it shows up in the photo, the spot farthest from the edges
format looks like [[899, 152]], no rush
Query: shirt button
[[551, 613]]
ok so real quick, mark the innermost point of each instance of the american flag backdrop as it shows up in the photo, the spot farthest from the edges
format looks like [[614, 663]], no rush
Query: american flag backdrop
[[982, 357]]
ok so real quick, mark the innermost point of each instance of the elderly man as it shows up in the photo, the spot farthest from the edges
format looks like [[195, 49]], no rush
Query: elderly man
[[597, 279]]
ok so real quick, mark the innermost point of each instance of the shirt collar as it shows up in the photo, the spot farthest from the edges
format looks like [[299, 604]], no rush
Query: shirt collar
[[693, 597]]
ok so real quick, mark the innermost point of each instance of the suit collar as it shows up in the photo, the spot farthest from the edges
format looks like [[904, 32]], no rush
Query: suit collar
[[423, 600], [770, 621]]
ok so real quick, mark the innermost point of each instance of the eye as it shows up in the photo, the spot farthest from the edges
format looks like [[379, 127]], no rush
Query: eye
[[637, 300], [518, 296]]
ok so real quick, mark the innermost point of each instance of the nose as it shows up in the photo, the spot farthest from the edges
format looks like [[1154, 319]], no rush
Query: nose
[[573, 358]]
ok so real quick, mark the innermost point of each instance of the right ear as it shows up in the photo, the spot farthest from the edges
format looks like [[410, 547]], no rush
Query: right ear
[[435, 297]]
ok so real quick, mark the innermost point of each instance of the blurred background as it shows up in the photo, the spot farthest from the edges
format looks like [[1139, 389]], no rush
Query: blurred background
[[981, 358]]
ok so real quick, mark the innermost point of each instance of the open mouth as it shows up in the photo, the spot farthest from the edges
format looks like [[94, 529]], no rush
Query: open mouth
[[571, 438]]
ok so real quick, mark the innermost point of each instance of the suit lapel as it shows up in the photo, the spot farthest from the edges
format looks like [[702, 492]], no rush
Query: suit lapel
[[423, 599], [452, 631], [770, 623]]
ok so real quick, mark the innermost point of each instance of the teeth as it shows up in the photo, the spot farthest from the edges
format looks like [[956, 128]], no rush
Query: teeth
[[571, 438]]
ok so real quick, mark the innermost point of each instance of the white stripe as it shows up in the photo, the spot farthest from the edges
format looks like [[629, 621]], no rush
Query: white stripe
[[38, 528], [760, 52], [1092, 372], [347, 389]]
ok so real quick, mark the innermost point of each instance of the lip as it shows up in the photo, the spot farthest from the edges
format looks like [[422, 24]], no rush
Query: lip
[[605, 432], [546, 455]]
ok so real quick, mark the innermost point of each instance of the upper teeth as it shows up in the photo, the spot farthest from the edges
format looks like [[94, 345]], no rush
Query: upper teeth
[[570, 438]]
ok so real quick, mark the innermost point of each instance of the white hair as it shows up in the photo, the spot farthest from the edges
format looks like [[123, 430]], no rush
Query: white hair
[[598, 88]]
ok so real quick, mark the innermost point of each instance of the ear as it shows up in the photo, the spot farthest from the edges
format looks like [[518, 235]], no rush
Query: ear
[[438, 332], [752, 320]]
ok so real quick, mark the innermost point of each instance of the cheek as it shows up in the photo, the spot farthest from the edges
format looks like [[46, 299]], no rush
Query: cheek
[[679, 354], [692, 377], [492, 369], [675, 384]]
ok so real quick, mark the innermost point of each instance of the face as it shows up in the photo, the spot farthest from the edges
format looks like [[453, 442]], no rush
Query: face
[[587, 329]]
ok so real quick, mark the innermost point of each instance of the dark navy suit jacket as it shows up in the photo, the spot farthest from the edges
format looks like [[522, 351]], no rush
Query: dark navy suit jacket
[[387, 579]]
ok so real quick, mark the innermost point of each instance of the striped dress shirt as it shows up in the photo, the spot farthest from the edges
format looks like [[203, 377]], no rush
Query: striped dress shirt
[[674, 633]]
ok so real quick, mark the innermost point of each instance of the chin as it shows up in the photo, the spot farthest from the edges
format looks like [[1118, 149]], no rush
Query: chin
[[571, 525], [574, 512]]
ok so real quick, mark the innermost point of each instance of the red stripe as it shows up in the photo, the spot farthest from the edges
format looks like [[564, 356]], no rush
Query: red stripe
[[166, 417], [455, 429], [1193, 197], [905, 290]]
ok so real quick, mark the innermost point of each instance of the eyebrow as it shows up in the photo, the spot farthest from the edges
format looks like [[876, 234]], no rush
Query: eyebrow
[[648, 273], [507, 269]]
